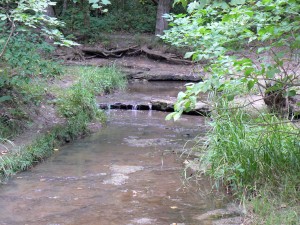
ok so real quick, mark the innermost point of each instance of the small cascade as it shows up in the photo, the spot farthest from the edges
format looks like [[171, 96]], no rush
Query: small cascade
[[135, 107], [150, 109], [108, 108], [134, 110]]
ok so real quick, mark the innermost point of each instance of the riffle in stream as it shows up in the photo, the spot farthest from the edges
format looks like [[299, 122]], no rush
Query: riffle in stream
[[126, 174]]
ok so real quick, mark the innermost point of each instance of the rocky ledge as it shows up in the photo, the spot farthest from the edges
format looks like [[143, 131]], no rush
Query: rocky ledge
[[201, 109], [253, 104]]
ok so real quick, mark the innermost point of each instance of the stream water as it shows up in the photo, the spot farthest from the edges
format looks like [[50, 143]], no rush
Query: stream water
[[128, 173]]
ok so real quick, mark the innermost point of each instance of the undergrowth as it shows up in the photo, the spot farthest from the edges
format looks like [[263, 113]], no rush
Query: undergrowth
[[257, 158], [247, 152]]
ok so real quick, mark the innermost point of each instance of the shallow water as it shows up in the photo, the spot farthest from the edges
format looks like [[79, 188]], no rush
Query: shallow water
[[128, 173], [144, 92]]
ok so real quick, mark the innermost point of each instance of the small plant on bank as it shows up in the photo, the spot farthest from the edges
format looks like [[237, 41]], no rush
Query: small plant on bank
[[247, 152]]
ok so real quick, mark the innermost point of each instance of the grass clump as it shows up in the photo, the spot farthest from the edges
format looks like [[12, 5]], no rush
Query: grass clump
[[246, 152], [257, 159], [270, 210], [21, 98]]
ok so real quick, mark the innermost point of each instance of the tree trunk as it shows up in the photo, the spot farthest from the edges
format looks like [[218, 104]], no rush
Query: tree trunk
[[64, 9], [86, 16], [50, 11], [164, 7]]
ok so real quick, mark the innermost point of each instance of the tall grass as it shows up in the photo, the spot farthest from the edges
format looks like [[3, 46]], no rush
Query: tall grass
[[246, 153]]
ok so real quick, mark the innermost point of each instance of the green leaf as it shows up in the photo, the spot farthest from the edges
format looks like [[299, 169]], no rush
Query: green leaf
[[170, 116], [291, 93], [177, 115], [250, 84], [3, 17], [271, 72], [188, 55], [181, 95], [237, 2], [230, 97], [105, 2], [5, 98]]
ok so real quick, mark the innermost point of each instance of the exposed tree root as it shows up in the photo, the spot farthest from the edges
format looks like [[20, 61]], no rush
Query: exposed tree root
[[83, 53], [158, 55], [103, 53]]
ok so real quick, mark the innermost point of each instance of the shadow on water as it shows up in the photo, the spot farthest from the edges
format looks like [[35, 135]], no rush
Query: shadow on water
[[125, 174]]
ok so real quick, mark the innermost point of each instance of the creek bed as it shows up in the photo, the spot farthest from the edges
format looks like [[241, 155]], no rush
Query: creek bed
[[128, 173]]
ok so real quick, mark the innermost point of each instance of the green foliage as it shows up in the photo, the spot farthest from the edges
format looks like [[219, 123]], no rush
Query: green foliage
[[213, 30], [77, 100], [249, 155], [99, 80], [18, 97], [246, 153], [24, 16], [78, 105], [132, 16], [25, 57], [273, 212]]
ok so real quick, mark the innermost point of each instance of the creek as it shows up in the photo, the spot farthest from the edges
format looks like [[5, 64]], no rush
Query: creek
[[128, 173]]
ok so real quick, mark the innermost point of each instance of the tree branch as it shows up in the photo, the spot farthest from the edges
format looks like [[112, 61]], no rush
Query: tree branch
[[13, 28]]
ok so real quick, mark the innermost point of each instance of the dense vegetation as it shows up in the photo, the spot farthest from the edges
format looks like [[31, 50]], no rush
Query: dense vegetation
[[254, 156], [124, 16]]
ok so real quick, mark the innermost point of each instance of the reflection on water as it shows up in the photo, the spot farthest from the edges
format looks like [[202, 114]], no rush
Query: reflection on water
[[125, 174]]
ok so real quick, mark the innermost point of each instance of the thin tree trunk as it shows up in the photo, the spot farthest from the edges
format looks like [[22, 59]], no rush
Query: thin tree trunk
[[50, 11], [164, 7], [86, 11], [64, 9]]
